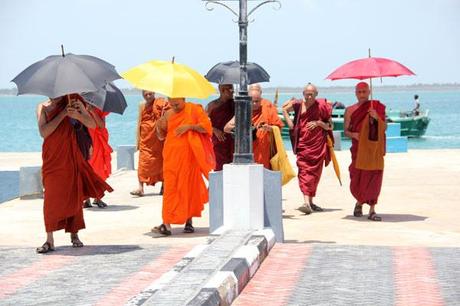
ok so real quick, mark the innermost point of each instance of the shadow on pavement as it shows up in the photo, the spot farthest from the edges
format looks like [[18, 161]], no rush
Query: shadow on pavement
[[177, 233], [331, 209], [290, 217], [309, 241], [147, 194], [112, 207], [389, 218], [89, 250]]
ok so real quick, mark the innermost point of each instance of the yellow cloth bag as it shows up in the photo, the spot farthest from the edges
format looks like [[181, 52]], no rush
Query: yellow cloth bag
[[370, 153], [280, 161]]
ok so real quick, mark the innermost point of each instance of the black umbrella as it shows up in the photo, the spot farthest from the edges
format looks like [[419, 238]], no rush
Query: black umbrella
[[109, 99], [229, 73], [59, 75]]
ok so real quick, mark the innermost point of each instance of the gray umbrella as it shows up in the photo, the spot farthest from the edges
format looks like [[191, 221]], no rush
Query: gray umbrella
[[229, 73], [58, 75], [108, 99]]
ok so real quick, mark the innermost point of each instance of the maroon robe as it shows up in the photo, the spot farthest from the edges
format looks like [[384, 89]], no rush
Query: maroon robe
[[68, 178], [312, 150], [219, 116], [365, 185]]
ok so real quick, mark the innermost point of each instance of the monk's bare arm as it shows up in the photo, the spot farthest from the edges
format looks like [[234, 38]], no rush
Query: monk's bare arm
[[229, 126], [79, 112], [47, 128], [325, 125], [346, 124], [287, 108]]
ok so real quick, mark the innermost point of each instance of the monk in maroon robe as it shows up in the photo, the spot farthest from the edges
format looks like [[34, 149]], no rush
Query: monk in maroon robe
[[365, 185], [313, 118], [220, 111], [68, 178]]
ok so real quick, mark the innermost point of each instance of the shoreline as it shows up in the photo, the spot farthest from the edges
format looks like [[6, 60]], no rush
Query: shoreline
[[287, 90]]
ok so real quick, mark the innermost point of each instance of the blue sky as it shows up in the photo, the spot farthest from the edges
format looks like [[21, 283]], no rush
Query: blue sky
[[302, 42]]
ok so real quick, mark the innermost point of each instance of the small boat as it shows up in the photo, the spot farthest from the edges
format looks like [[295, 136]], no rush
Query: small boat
[[412, 125]]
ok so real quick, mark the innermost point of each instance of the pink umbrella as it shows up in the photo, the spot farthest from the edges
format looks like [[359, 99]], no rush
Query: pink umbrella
[[370, 67]]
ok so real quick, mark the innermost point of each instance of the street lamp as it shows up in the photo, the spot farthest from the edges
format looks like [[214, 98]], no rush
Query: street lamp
[[243, 107]]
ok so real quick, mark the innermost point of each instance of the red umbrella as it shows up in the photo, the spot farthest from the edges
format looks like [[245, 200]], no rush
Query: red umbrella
[[370, 67]]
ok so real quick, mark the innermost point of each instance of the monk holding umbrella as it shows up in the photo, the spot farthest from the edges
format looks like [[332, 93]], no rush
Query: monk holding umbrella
[[68, 179], [365, 124], [188, 154]]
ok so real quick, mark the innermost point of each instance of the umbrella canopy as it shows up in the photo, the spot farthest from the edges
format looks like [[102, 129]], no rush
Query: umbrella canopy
[[170, 79], [229, 73], [108, 98], [58, 75], [370, 67]]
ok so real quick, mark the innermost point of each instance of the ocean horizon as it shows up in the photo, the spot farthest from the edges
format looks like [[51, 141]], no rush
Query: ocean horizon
[[20, 132]]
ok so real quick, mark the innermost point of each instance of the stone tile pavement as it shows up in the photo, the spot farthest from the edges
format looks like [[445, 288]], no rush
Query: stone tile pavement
[[93, 275], [326, 274]]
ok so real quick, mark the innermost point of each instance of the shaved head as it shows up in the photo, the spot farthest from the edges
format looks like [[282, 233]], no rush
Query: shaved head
[[362, 91], [310, 92], [255, 87], [310, 86], [362, 85]]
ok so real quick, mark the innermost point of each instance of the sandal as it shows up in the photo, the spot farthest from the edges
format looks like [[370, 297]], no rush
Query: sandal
[[100, 203], [45, 248], [162, 230], [306, 209], [87, 204], [358, 212], [137, 193], [373, 216], [188, 229], [76, 242], [315, 207]]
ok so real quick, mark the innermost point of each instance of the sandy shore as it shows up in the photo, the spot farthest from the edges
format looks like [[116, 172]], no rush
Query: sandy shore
[[418, 203]]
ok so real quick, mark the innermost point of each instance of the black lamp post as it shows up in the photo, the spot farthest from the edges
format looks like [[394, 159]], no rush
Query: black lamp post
[[243, 107]]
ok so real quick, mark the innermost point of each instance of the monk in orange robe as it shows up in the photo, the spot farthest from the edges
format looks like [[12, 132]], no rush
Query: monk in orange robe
[[187, 156], [264, 116], [68, 178], [313, 119], [101, 157], [220, 111], [365, 185], [150, 167]]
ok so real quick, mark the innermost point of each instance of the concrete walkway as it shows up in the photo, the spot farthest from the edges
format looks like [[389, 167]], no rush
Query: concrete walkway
[[418, 203]]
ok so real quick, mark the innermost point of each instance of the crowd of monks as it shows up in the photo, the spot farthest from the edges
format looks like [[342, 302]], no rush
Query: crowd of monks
[[179, 143]]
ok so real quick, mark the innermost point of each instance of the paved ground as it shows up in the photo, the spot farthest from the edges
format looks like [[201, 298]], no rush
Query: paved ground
[[93, 275], [317, 274], [331, 258]]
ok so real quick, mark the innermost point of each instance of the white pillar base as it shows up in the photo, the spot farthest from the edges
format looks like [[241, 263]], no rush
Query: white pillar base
[[243, 196]]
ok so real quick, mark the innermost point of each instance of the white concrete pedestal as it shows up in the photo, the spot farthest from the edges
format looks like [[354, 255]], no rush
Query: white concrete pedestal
[[243, 196]]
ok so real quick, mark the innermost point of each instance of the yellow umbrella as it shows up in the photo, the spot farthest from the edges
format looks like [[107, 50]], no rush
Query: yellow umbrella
[[170, 79], [335, 163]]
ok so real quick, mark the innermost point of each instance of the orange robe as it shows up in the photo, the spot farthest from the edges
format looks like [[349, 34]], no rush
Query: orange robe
[[68, 179], [150, 167], [186, 159], [261, 144], [101, 159]]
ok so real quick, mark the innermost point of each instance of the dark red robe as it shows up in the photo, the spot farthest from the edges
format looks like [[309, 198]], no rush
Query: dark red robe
[[365, 185], [68, 178], [312, 150], [219, 116], [101, 159]]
